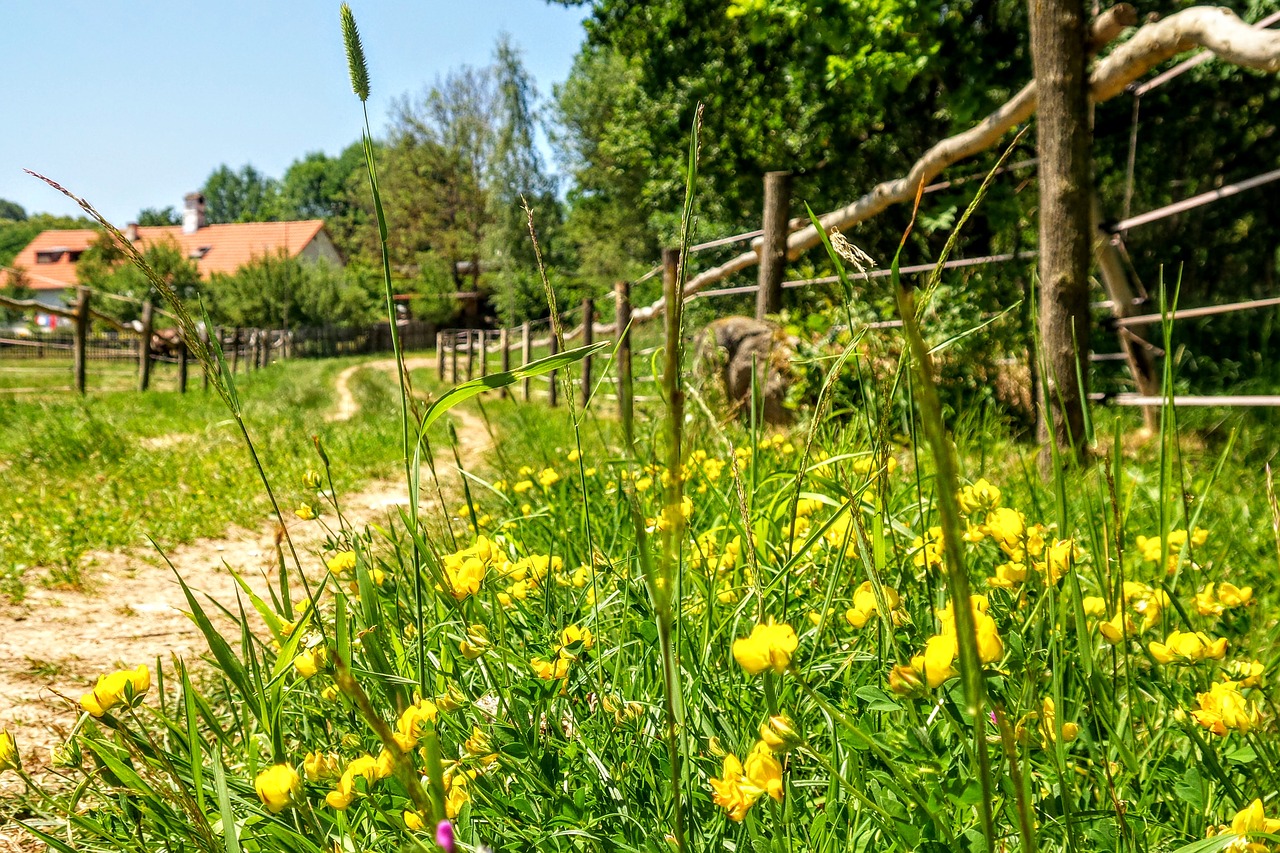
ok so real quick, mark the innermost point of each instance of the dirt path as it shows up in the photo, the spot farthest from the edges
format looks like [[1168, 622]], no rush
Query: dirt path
[[55, 643]]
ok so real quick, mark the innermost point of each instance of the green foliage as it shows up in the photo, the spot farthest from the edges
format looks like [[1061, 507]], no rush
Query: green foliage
[[246, 195], [103, 266], [12, 211], [108, 471], [159, 216], [280, 292], [17, 285]]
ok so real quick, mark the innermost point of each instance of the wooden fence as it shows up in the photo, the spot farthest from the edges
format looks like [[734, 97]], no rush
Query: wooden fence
[[245, 349]]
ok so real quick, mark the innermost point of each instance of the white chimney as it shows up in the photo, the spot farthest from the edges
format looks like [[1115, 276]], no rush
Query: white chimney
[[131, 232], [193, 213]]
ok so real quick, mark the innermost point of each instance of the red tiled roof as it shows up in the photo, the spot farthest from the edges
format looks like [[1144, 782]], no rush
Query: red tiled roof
[[229, 247]]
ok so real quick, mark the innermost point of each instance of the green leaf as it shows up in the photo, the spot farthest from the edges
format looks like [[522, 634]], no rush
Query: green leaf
[[1190, 788], [1241, 755], [229, 834], [1208, 845], [494, 381], [877, 699]]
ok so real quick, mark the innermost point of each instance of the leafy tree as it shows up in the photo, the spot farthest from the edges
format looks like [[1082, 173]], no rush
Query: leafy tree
[[316, 186], [159, 216], [11, 210], [17, 285], [243, 196], [278, 291], [104, 267], [518, 175]]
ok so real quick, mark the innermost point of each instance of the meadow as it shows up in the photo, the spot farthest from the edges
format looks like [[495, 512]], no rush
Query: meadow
[[885, 628], [116, 468]]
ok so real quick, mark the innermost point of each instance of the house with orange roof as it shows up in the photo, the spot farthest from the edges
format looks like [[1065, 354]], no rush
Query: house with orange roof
[[49, 261]]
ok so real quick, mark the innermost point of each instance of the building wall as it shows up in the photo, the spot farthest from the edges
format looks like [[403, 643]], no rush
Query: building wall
[[321, 249]]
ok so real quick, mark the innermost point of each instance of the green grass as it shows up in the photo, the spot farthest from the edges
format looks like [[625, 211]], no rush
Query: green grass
[[111, 469]]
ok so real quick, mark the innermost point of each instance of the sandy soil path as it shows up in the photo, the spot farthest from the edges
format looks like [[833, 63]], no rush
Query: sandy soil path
[[55, 643]]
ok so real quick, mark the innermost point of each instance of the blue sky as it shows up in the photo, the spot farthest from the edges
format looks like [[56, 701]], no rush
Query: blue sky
[[133, 105]]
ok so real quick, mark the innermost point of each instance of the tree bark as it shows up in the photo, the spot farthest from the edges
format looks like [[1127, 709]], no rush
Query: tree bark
[[1059, 47]]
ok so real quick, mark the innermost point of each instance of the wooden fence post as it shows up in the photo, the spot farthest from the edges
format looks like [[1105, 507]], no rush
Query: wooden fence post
[[235, 350], [471, 354], [80, 358], [1116, 282], [553, 347], [440, 354], [504, 345], [182, 364], [484, 353], [144, 347], [588, 337], [453, 357], [626, 388], [526, 355], [773, 247]]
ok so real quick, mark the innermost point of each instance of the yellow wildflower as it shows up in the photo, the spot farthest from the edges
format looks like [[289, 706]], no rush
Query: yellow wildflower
[[305, 512], [320, 765], [982, 496], [865, 604], [9, 758], [552, 669], [929, 549], [414, 722], [1248, 673], [1223, 708], [573, 639], [1187, 647], [1214, 599], [278, 787], [310, 662], [1008, 528], [475, 643], [413, 821], [1250, 820], [769, 646], [343, 561], [126, 686], [365, 767], [1049, 725], [548, 477]]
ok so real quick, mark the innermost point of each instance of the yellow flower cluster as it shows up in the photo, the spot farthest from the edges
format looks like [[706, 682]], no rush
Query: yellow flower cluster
[[1224, 708], [278, 787], [1150, 546], [464, 571], [937, 663], [575, 640], [1187, 647], [365, 767], [1216, 598], [527, 575], [123, 687], [866, 604], [1249, 820], [742, 783], [769, 646], [1141, 602]]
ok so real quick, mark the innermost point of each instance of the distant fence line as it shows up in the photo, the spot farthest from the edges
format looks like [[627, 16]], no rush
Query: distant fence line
[[244, 349]]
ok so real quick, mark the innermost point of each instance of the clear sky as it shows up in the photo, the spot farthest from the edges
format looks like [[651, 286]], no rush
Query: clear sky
[[132, 105]]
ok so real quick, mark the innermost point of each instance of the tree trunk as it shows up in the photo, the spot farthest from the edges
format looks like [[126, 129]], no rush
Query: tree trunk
[[1059, 43]]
